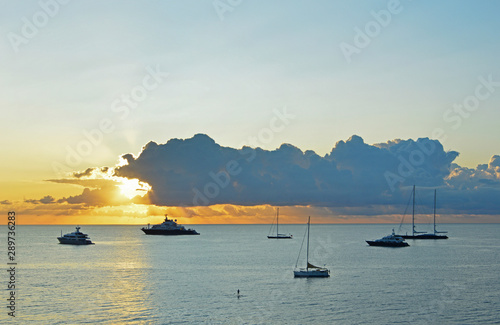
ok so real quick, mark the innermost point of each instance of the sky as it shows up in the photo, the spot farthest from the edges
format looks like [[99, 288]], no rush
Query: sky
[[317, 107]]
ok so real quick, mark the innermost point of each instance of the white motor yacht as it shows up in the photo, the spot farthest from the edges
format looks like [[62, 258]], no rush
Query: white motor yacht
[[75, 238]]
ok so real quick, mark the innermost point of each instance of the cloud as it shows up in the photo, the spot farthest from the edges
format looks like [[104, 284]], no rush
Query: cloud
[[98, 197], [494, 163], [45, 200], [94, 183], [90, 172], [199, 172], [99, 189], [74, 214], [353, 179]]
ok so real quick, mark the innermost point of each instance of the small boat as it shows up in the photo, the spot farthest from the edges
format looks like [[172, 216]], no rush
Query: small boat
[[422, 234], [169, 227], [75, 238], [278, 235], [310, 271], [389, 241]]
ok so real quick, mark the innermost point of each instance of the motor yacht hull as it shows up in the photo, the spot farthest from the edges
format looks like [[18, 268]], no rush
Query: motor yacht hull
[[66, 241], [386, 244], [169, 232]]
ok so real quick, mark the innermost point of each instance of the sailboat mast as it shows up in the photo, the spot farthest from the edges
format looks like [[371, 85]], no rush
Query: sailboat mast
[[307, 255], [413, 213], [434, 211], [277, 221]]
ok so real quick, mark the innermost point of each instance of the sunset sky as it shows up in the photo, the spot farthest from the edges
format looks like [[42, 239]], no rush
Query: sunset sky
[[117, 112]]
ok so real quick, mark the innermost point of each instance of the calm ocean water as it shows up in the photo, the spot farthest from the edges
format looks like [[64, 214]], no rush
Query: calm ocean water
[[129, 277]]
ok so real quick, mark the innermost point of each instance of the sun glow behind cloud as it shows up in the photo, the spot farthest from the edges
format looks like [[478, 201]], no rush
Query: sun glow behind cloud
[[130, 188]]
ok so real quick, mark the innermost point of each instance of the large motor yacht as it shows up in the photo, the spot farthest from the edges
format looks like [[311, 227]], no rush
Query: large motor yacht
[[75, 238], [389, 241], [168, 227]]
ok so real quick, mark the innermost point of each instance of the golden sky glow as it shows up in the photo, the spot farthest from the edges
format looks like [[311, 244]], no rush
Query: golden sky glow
[[76, 99], [97, 196], [139, 214]]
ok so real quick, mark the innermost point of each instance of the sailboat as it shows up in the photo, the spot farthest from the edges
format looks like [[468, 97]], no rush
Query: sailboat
[[422, 234], [310, 271], [278, 235], [435, 234]]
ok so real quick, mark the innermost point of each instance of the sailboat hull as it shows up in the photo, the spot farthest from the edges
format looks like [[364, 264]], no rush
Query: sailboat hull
[[322, 273], [424, 236], [280, 237], [310, 271]]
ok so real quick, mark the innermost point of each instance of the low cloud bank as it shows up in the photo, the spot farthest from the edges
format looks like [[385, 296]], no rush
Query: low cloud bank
[[199, 172], [354, 179]]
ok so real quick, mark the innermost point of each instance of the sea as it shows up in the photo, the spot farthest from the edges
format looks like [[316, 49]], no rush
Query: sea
[[128, 277]]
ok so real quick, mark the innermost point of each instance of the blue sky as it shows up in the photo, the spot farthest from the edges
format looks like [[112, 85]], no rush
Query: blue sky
[[225, 71]]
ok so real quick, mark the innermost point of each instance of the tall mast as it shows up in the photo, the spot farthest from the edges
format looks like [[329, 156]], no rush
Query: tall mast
[[277, 216], [435, 203], [434, 211], [307, 256], [413, 212]]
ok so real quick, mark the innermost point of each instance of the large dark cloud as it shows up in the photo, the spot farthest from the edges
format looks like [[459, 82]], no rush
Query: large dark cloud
[[198, 171]]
